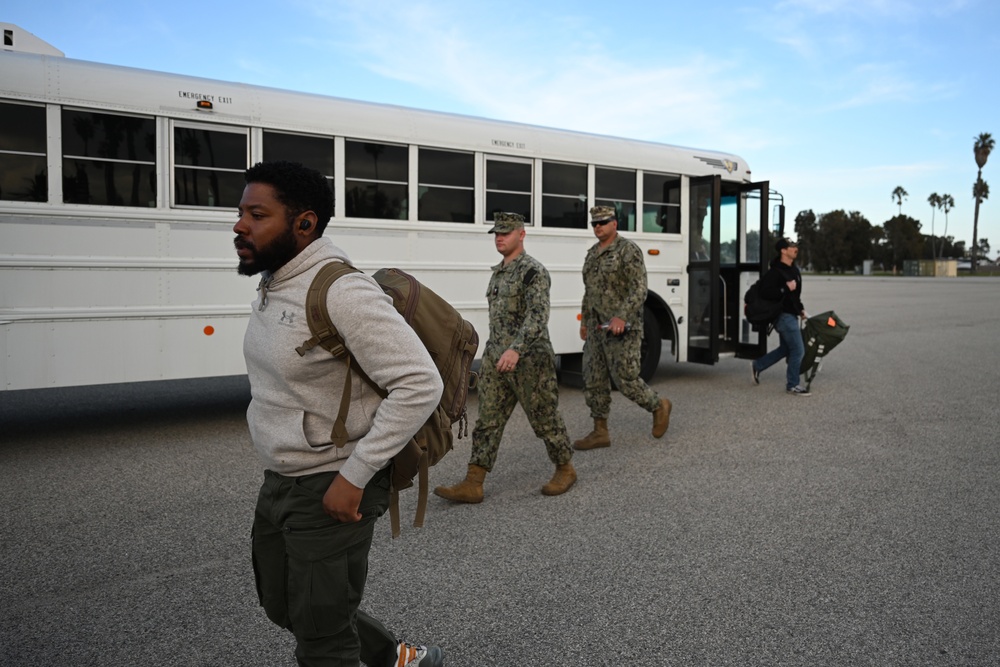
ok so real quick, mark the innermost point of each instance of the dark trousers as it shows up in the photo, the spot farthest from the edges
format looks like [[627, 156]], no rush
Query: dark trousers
[[311, 570]]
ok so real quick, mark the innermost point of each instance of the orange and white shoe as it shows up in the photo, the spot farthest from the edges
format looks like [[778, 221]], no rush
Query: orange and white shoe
[[413, 655]]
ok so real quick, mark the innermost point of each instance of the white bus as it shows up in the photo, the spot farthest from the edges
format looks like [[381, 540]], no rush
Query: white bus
[[119, 187]]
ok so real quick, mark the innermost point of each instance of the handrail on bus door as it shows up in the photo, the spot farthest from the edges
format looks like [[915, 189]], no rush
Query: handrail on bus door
[[725, 310]]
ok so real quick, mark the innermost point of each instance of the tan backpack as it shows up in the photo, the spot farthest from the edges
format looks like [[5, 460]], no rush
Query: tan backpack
[[452, 343]]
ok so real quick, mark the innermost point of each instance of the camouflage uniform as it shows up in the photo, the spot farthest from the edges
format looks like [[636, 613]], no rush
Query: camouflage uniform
[[615, 286], [518, 295]]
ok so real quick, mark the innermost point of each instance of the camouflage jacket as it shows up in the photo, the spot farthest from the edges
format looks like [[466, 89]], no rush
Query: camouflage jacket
[[614, 280], [518, 295]]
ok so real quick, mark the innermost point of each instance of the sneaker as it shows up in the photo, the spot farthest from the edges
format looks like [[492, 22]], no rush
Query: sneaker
[[754, 373], [413, 655], [799, 390]]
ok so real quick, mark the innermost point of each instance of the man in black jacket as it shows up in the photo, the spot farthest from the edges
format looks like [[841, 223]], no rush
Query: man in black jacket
[[783, 282]]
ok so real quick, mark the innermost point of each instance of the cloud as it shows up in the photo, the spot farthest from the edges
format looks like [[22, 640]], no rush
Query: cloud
[[870, 84], [884, 172], [850, 55], [830, 31], [562, 73], [895, 10]]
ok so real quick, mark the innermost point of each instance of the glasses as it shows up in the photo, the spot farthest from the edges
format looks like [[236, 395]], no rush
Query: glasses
[[598, 223]]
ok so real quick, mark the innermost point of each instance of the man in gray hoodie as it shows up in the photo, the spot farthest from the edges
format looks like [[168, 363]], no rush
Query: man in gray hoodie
[[318, 504]]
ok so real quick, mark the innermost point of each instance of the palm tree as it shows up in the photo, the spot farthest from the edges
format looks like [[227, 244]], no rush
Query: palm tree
[[980, 191], [946, 204], [984, 247], [899, 194], [935, 201], [982, 148]]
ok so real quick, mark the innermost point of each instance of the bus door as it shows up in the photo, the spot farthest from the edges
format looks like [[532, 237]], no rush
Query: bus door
[[752, 229], [703, 269], [727, 224]]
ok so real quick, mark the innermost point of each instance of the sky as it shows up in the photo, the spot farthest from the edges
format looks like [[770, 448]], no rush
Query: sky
[[835, 102]]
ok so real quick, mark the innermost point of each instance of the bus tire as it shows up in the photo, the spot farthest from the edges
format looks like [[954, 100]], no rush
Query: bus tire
[[649, 356]]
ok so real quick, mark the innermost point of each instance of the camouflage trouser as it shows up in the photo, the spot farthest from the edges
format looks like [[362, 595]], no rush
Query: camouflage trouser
[[532, 384], [606, 358]]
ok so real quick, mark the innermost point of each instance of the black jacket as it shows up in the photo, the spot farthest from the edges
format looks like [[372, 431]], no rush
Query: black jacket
[[773, 286]]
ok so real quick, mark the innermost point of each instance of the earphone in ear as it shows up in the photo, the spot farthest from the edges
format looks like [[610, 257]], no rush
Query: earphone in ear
[[304, 225]]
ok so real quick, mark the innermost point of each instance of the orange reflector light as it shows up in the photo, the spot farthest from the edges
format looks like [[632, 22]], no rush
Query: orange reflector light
[[203, 104], [653, 251], [579, 317], [209, 330], [831, 322]]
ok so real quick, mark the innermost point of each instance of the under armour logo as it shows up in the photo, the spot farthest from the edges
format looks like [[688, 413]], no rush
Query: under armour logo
[[287, 316]]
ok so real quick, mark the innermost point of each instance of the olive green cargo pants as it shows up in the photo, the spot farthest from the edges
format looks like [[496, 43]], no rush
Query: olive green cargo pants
[[311, 570]]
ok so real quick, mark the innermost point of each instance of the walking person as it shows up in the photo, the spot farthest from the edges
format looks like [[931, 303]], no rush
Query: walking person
[[318, 503], [614, 278], [783, 282], [519, 366]]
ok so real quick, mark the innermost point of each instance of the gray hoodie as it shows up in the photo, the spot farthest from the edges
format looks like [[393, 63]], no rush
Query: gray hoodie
[[295, 399]]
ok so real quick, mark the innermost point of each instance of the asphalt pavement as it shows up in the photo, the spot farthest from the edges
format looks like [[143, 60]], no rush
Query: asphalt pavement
[[857, 526]]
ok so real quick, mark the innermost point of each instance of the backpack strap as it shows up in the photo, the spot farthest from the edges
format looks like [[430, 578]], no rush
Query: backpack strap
[[339, 435], [394, 511], [325, 335], [418, 516]]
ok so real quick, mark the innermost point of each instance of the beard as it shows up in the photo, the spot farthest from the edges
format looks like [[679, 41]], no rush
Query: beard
[[271, 257]]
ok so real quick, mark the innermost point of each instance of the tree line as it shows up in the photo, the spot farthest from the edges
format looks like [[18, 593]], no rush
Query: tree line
[[839, 241]]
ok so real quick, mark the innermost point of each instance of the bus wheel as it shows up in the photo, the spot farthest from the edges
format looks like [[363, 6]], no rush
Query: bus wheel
[[649, 355]]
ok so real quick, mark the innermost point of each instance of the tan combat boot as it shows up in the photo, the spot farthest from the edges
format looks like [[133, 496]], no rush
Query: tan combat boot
[[564, 477], [661, 417], [469, 490], [599, 437]]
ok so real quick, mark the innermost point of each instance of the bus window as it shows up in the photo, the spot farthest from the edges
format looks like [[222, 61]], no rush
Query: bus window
[[750, 230], [661, 206], [728, 228], [616, 187], [313, 152], [446, 182], [376, 178], [108, 159], [209, 166], [564, 195], [508, 188], [23, 173], [701, 222]]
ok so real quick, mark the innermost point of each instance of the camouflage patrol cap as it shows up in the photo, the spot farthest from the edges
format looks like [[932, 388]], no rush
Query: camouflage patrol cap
[[602, 213], [506, 222]]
